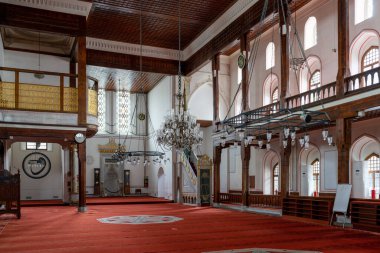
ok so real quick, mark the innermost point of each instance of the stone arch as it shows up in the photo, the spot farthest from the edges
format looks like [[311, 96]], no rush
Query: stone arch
[[269, 160], [359, 45]]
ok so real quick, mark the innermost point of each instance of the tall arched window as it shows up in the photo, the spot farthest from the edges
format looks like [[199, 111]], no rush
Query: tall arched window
[[275, 95], [363, 10], [101, 111], [315, 80], [370, 59], [270, 60], [238, 103], [276, 174], [316, 176], [310, 32], [374, 172]]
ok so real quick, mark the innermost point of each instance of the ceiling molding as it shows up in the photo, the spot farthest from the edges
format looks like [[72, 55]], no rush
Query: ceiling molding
[[131, 49], [66, 6]]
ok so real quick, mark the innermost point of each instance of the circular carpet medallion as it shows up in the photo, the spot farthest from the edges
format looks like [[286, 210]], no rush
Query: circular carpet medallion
[[139, 219]]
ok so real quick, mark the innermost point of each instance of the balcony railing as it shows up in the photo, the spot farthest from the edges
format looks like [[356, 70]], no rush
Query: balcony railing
[[362, 80], [259, 200], [310, 96], [230, 198], [58, 96]]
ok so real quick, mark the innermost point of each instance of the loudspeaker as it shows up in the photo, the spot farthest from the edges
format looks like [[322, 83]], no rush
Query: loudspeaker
[[127, 178], [96, 181]]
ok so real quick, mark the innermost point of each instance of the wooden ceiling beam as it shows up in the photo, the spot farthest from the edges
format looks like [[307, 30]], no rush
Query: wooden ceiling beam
[[174, 17], [131, 62], [42, 20]]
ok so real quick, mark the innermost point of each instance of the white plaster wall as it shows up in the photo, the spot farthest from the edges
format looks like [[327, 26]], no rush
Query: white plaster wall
[[201, 102], [49, 187], [224, 171], [235, 168], [207, 146], [25, 60], [94, 160], [159, 103]]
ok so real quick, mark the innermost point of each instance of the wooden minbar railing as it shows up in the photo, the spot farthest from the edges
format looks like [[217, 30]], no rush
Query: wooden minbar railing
[[54, 97], [230, 198]]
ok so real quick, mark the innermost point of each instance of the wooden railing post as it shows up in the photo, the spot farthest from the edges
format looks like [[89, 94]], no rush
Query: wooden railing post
[[61, 92], [17, 89]]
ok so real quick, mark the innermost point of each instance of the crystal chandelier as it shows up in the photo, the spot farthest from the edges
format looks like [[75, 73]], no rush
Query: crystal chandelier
[[180, 129]]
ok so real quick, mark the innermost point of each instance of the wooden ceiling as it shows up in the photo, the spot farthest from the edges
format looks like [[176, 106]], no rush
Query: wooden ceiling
[[119, 20], [132, 81]]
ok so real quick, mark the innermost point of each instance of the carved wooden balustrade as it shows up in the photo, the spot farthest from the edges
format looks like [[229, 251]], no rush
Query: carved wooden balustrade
[[362, 80], [310, 96], [189, 198], [230, 198], [59, 92], [259, 200]]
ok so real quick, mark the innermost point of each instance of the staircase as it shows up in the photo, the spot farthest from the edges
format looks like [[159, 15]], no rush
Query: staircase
[[189, 176]]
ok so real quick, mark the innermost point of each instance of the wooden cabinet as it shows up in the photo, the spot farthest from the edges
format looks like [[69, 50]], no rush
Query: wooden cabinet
[[366, 215], [312, 208]]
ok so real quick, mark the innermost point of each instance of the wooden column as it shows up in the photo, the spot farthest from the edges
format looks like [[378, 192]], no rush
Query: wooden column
[[215, 86], [245, 157], [284, 168], [244, 48], [73, 71], [217, 159], [82, 81], [82, 177], [343, 143], [343, 47], [284, 37], [2, 155]]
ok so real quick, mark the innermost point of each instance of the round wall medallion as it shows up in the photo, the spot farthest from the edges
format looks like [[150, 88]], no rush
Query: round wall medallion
[[36, 165], [241, 61], [141, 116]]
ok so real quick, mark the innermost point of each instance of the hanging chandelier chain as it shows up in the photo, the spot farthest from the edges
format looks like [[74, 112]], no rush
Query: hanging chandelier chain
[[179, 48]]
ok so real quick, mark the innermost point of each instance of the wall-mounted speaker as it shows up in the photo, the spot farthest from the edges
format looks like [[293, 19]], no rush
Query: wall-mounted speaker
[[127, 178], [96, 181]]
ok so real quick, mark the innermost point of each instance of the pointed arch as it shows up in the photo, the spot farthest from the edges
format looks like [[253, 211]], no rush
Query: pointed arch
[[306, 159], [363, 179], [269, 87], [359, 46], [270, 159], [314, 63]]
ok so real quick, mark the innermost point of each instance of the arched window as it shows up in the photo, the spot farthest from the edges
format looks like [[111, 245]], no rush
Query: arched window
[[276, 174], [238, 103], [315, 80], [374, 172], [101, 111], [316, 176], [275, 95], [310, 34], [370, 59], [363, 10], [270, 60]]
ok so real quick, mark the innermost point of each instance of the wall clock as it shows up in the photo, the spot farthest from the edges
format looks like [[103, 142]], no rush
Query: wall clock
[[36, 165], [79, 138], [241, 61]]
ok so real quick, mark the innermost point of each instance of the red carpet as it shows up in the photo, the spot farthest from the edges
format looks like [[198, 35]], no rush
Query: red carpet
[[61, 229], [99, 201]]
